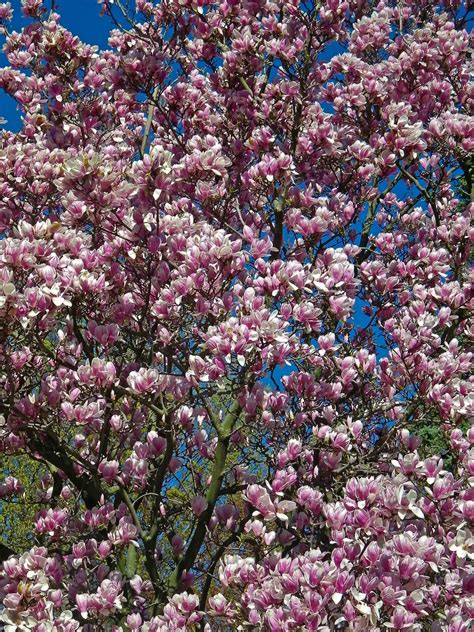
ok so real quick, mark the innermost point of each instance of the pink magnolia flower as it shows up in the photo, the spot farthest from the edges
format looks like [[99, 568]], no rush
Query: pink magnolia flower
[[124, 533], [198, 505]]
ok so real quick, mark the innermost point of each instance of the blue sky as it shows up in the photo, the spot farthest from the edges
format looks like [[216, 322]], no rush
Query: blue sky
[[81, 17]]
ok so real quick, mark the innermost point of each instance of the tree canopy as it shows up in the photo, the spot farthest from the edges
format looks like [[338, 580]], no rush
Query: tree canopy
[[236, 318]]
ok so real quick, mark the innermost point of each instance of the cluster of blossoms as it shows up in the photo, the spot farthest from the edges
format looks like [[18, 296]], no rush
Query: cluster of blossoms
[[396, 547], [387, 561], [236, 317]]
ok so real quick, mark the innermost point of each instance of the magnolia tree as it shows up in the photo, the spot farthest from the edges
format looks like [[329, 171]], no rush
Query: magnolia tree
[[236, 301]]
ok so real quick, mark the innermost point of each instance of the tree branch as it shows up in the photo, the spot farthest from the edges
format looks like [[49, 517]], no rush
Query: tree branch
[[149, 120], [212, 495]]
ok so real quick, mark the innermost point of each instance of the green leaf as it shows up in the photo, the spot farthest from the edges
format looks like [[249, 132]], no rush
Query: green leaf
[[127, 561]]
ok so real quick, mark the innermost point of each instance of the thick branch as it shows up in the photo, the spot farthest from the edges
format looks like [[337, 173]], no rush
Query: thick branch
[[212, 496], [149, 120], [278, 234], [90, 489]]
